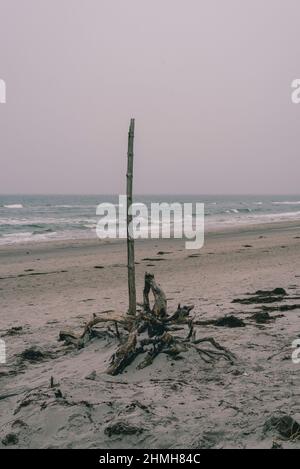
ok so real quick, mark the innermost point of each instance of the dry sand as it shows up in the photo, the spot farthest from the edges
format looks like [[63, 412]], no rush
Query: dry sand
[[172, 404]]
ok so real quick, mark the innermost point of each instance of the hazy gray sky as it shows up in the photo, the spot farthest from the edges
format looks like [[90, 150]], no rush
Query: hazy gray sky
[[208, 82]]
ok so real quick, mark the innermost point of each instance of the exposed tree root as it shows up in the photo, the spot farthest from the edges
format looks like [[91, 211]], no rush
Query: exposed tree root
[[221, 352], [70, 338], [150, 332]]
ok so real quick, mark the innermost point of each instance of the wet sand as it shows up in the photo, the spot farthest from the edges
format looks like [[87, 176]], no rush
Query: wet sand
[[171, 404]]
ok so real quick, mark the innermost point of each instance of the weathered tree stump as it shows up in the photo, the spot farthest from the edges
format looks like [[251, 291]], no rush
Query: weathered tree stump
[[150, 332]]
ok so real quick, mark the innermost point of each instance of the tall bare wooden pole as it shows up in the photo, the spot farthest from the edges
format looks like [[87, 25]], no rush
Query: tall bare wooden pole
[[130, 239]]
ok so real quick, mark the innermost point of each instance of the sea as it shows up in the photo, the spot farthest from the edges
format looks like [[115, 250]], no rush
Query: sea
[[37, 218]]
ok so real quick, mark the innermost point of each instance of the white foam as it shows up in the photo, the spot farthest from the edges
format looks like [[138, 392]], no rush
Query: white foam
[[13, 206], [13, 238], [66, 206], [232, 210], [287, 202]]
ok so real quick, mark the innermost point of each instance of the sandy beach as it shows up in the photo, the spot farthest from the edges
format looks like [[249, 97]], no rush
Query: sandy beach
[[186, 403]]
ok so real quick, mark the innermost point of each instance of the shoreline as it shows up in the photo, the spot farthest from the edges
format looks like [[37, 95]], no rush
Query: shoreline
[[225, 230]]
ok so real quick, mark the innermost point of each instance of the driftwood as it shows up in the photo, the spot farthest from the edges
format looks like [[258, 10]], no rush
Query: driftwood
[[130, 239], [70, 338], [160, 301], [151, 332]]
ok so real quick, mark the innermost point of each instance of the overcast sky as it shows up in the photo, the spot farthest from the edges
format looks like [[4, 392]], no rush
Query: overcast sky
[[208, 81]]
